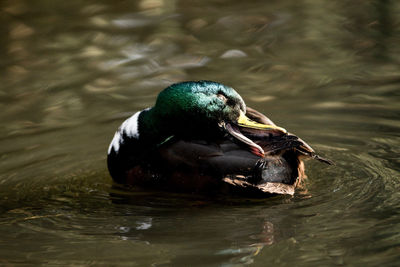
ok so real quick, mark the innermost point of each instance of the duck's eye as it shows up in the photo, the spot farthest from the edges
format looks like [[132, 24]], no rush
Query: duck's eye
[[222, 97]]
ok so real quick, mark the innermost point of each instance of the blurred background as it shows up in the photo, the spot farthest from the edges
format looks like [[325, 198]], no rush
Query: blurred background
[[72, 71]]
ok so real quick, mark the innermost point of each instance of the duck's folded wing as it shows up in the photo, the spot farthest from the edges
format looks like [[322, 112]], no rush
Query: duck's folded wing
[[226, 166], [225, 157]]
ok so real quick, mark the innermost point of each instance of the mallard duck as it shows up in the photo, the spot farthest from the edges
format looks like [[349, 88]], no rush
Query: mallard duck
[[201, 137]]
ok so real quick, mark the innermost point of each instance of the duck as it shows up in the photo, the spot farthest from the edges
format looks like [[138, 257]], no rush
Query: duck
[[200, 137]]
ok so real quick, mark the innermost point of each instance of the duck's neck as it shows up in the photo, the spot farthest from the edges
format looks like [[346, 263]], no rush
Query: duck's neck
[[151, 129]]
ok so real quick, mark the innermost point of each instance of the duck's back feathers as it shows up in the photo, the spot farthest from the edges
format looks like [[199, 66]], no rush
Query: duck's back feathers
[[217, 166]]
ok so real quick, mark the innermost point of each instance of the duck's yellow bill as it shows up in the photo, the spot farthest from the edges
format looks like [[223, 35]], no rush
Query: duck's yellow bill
[[245, 121]]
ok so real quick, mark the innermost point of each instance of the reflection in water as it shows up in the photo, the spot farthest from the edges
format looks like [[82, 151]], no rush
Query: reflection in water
[[188, 219], [72, 72]]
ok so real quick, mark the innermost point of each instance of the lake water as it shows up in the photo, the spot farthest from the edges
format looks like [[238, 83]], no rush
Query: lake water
[[72, 71]]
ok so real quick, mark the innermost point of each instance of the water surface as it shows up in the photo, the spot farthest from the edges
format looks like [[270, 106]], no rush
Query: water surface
[[73, 71]]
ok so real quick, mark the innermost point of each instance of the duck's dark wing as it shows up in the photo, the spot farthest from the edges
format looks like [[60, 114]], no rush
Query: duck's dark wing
[[217, 158], [193, 165], [219, 166]]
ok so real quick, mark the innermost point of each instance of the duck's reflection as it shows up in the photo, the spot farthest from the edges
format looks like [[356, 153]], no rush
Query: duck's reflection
[[245, 254], [229, 231]]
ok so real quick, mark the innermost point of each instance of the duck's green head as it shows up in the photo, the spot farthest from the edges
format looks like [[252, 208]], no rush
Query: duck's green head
[[198, 103], [200, 109]]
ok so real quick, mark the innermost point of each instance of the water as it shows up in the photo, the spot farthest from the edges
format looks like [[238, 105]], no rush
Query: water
[[72, 71]]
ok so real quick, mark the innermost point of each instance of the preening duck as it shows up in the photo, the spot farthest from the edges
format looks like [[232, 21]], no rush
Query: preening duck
[[201, 137]]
